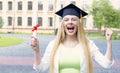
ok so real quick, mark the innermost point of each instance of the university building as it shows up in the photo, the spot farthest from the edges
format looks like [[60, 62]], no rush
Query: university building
[[22, 15]]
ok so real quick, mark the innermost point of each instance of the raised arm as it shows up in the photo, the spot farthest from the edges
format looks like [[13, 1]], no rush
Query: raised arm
[[106, 60], [41, 64], [108, 53], [35, 47]]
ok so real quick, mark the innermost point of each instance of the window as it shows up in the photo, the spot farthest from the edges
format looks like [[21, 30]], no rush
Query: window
[[61, 6], [40, 5], [29, 5], [50, 6], [29, 21], [19, 21], [20, 5], [9, 5], [9, 21], [1, 21], [0, 18], [40, 21], [50, 21], [60, 19], [73, 2], [84, 22], [84, 7], [0, 5]]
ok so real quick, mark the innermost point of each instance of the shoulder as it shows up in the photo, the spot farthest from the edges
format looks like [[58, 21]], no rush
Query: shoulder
[[91, 42], [50, 44], [93, 46]]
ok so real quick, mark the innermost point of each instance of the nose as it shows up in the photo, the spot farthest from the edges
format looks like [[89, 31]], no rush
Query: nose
[[70, 21]]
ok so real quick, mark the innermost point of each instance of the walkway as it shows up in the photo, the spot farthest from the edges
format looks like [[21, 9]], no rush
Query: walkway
[[19, 58]]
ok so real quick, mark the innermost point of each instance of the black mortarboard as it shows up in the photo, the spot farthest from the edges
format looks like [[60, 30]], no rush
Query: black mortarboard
[[71, 10]]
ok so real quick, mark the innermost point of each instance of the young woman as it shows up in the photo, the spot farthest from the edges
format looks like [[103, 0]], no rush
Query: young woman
[[71, 51]]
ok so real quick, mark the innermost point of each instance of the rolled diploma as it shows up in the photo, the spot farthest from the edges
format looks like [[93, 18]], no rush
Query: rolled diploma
[[35, 33]]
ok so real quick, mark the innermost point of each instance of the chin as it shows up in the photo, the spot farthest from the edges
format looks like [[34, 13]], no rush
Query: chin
[[71, 34]]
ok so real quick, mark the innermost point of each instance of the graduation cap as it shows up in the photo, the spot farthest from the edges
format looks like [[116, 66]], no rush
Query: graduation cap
[[71, 10]]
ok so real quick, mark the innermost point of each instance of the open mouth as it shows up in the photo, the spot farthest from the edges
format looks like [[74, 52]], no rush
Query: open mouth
[[70, 29]]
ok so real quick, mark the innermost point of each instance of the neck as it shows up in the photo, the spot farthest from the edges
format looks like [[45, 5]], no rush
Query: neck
[[71, 38], [70, 41]]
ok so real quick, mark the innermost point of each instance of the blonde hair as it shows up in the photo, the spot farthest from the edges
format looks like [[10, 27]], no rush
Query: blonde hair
[[82, 40]]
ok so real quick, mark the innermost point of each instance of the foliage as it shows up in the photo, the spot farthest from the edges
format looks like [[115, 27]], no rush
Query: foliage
[[104, 14], [115, 36]]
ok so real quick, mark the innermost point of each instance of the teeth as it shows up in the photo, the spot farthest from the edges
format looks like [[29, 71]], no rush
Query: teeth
[[70, 28]]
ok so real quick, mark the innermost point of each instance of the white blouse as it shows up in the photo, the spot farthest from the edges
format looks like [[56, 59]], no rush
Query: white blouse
[[96, 55]]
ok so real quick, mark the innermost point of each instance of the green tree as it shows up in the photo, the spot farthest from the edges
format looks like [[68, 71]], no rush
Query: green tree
[[104, 14]]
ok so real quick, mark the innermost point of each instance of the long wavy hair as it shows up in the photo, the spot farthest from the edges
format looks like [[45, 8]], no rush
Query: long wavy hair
[[81, 36]]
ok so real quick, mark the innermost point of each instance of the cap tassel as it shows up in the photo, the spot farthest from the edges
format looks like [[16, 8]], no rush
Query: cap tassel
[[81, 21]]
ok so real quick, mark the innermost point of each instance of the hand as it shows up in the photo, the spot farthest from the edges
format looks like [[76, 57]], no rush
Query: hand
[[108, 34], [34, 44]]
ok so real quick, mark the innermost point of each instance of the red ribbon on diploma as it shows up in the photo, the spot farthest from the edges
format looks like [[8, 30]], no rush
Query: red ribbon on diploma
[[35, 27]]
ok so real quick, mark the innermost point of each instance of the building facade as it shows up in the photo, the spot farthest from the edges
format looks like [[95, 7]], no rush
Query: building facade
[[115, 4], [22, 15]]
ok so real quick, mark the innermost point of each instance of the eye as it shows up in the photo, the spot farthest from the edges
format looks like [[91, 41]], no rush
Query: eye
[[74, 19], [65, 20]]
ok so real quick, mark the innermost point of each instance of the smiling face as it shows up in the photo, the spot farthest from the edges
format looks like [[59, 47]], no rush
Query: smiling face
[[70, 24]]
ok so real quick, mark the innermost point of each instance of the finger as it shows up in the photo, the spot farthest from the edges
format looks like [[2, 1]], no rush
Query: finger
[[109, 31], [34, 37]]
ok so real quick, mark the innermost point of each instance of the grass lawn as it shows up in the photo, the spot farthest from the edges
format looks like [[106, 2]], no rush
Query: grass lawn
[[9, 40], [96, 35], [114, 36]]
